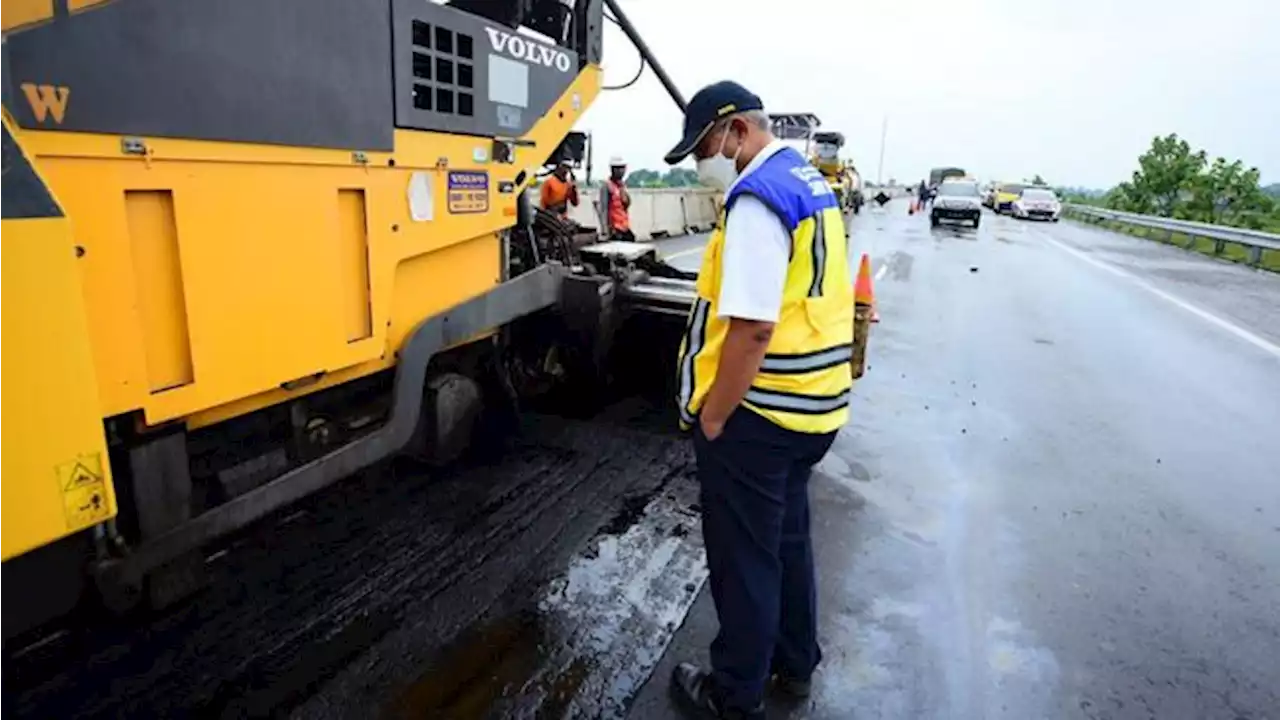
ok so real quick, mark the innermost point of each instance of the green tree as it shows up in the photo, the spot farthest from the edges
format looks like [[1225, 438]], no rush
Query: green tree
[[1174, 181], [1165, 174], [1037, 180], [1228, 194], [675, 177], [643, 178], [680, 177]]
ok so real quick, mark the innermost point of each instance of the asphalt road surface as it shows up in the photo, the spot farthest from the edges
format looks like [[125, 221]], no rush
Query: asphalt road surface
[[1058, 497], [1059, 494]]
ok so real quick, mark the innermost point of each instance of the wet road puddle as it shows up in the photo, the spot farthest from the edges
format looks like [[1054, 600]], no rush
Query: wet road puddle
[[589, 639]]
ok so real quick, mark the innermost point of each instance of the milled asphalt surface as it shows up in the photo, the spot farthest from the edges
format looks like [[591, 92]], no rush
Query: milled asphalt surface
[[545, 574], [1057, 498], [1058, 495]]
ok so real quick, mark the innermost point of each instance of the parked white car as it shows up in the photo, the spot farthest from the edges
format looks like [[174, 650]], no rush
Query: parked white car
[[1035, 203]]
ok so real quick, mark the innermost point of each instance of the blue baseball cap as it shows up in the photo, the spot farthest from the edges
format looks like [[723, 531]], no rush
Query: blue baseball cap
[[706, 107]]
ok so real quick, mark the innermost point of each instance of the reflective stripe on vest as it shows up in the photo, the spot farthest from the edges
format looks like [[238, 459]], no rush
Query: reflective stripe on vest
[[806, 362], [693, 343], [797, 403], [819, 256], [804, 381]]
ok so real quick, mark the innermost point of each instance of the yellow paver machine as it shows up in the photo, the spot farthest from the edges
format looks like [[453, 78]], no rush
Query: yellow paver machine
[[822, 148], [252, 247]]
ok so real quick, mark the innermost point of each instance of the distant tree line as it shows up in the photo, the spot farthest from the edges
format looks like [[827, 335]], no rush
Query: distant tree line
[[674, 178], [1173, 180]]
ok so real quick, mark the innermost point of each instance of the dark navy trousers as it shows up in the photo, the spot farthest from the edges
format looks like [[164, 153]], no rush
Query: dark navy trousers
[[755, 523]]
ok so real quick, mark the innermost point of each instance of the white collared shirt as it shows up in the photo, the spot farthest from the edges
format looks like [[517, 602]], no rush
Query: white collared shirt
[[757, 250]]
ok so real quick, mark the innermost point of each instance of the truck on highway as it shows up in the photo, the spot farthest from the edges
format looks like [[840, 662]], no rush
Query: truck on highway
[[937, 175]]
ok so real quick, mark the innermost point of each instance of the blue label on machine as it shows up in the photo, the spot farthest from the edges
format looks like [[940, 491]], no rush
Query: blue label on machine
[[468, 191]]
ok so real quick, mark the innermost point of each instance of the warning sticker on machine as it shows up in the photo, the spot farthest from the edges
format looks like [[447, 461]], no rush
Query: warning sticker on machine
[[468, 191], [84, 491]]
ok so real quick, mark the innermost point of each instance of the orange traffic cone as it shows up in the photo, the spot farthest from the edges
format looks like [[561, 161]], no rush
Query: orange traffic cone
[[863, 293], [863, 308]]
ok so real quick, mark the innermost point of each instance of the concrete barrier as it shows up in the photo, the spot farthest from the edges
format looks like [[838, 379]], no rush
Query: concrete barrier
[[658, 212], [671, 212]]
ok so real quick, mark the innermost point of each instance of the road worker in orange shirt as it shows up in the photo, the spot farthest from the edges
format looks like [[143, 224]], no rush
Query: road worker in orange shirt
[[559, 191]]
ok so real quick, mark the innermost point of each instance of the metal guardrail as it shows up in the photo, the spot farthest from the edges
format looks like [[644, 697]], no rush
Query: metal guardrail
[[1255, 240]]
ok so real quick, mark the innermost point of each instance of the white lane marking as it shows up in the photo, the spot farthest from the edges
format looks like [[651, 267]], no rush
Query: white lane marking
[[884, 268], [1256, 341]]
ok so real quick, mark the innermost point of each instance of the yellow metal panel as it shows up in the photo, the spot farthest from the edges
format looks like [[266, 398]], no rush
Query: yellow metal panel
[[57, 479], [153, 237], [16, 13], [266, 243], [261, 271], [421, 290], [107, 279], [353, 256]]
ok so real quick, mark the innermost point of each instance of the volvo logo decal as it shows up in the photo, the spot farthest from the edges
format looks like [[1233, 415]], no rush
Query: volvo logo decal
[[529, 51]]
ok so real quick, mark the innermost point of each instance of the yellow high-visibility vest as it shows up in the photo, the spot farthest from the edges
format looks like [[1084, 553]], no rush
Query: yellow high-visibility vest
[[804, 382]]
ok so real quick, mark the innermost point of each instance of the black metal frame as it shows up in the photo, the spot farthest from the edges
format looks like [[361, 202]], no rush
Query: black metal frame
[[794, 126]]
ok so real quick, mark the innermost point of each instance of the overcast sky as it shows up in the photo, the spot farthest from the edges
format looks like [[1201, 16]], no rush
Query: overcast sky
[[1071, 89]]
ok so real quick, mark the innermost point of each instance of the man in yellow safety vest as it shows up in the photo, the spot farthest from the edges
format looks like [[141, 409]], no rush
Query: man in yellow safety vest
[[764, 382]]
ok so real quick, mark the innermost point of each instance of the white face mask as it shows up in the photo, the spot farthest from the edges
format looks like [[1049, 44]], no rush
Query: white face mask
[[719, 171]]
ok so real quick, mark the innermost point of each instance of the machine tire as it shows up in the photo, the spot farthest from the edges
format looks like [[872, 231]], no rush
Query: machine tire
[[452, 405], [976, 221], [933, 220]]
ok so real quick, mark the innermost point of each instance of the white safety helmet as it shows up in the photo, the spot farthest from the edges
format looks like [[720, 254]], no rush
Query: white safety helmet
[[616, 161]]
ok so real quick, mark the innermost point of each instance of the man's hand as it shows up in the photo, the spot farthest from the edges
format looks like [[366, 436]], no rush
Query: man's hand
[[744, 347], [711, 429]]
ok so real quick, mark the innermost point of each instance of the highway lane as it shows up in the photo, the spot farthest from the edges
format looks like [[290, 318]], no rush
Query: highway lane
[[1058, 495], [1236, 293]]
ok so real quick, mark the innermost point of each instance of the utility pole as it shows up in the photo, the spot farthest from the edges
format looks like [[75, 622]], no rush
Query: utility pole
[[884, 129]]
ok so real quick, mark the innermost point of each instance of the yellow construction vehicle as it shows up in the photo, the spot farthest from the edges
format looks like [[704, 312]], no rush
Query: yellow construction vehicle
[[822, 148], [253, 247], [840, 173]]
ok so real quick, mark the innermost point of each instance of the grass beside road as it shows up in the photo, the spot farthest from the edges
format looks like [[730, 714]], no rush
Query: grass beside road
[[1230, 251]]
